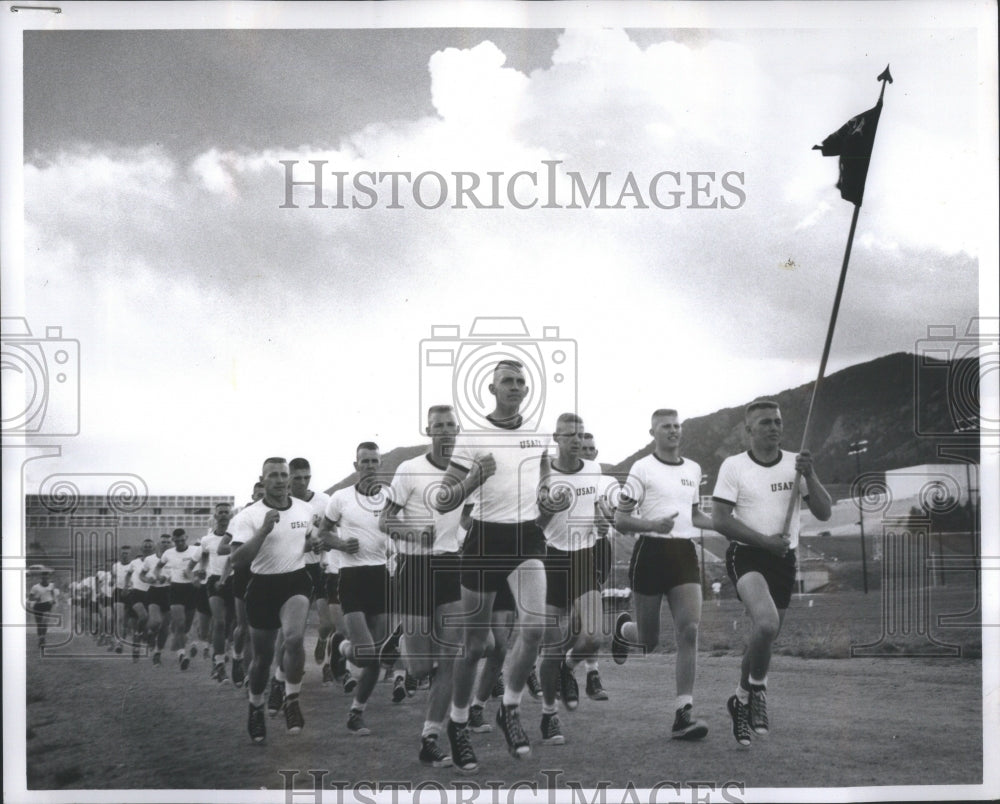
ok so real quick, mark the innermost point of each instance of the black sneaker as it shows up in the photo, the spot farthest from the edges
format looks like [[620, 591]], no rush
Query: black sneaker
[[477, 722], [462, 754], [534, 688], [118, 647], [293, 714], [350, 683], [595, 690], [219, 672], [356, 723], [135, 652], [411, 685], [192, 650], [398, 689], [552, 730], [568, 687], [686, 727], [740, 714], [337, 661], [431, 753], [238, 673], [206, 654], [619, 649], [184, 661], [498, 686], [327, 675], [319, 654], [509, 721], [256, 724], [276, 697], [388, 654], [758, 708], [156, 657]]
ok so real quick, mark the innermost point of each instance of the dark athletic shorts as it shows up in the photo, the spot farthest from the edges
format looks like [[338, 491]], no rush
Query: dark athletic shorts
[[332, 581], [424, 582], [568, 575], [241, 577], [201, 599], [364, 589], [778, 571], [658, 565], [118, 595], [493, 550], [159, 596], [183, 594], [266, 594], [316, 573], [134, 597]]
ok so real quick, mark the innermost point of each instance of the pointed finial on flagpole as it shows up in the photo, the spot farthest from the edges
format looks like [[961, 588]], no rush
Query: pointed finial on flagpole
[[884, 76]]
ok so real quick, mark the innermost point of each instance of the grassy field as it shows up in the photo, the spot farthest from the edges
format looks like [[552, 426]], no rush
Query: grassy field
[[96, 720]]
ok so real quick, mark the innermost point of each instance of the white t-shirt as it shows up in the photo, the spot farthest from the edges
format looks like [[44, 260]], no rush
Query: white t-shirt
[[511, 494], [608, 491], [210, 547], [356, 514], [573, 529], [105, 582], [283, 549], [119, 571], [760, 493], [135, 567], [149, 564], [661, 489], [414, 487], [176, 564], [43, 594]]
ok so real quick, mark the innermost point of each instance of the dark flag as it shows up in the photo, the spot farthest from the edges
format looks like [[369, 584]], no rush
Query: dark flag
[[853, 143]]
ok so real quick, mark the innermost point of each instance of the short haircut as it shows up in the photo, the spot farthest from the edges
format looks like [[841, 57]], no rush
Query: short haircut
[[439, 409], [124, 547], [179, 532], [759, 404], [663, 412], [588, 436], [511, 364], [366, 445], [164, 535], [272, 460], [147, 541], [223, 504], [298, 463], [568, 418]]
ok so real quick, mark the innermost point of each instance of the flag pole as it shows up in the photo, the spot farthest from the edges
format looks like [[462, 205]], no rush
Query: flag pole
[[794, 500]]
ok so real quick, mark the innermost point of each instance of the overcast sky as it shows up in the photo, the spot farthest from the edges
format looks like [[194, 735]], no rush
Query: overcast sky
[[217, 328]]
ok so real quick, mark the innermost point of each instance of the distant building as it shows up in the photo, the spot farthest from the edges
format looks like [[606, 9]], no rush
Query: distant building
[[78, 535]]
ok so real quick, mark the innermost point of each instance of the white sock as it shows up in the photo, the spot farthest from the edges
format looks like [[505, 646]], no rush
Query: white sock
[[683, 700], [591, 665], [431, 728], [459, 714]]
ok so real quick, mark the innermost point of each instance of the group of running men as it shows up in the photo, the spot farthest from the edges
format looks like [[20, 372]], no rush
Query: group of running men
[[493, 533]]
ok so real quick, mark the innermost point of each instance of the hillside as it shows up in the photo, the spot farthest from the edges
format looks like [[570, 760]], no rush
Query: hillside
[[899, 405]]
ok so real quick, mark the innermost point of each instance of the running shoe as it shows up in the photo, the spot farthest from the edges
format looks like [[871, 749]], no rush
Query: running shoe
[[238, 673], [534, 687], [276, 697], [431, 753], [568, 687], [758, 708], [350, 683], [595, 690], [619, 649], [477, 722], [552, 730], [319, 654], [156, 657], [411, 685], [462, 754], [498, 686], [256, 724], [686, 726], [184, 661], [398, 689], [356, 723], [740, 714], [293, 714], [509, 721]]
